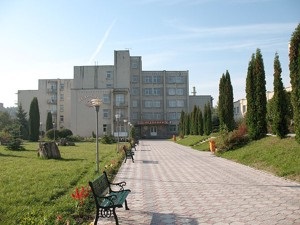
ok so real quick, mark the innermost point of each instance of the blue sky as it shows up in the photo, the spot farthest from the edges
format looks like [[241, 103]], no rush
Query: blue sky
[[46, 39]]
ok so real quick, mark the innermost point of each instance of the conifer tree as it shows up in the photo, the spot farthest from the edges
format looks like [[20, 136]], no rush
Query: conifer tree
[[23, 122], [207, 125], [279, 119], [256, 117], [294, 66], [225, 107], [49, 122], [200, 122], [34, 120], [260, 98], [182, 123]]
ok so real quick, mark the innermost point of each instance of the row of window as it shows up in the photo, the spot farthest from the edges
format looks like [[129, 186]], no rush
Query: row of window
[[158, 79], [158, 91]]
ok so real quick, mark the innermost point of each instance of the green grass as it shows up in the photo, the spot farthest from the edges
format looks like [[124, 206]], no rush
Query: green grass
[[41, 189], [278, 156]]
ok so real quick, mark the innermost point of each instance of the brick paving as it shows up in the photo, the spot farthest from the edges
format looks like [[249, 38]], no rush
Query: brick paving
[[173, 184]]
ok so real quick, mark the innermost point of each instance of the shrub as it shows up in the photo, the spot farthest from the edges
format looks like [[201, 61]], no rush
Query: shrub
[[233, 139], [63, 133], [108, 139], [15, 144]]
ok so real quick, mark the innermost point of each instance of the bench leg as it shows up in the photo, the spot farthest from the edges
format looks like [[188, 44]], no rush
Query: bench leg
[[132, 158], [97, 217], [115, 215], [126, 206]]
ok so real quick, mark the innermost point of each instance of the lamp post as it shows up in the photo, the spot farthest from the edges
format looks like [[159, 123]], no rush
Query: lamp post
[[125, 124], [117, 118], [53, 131], [96, 103]]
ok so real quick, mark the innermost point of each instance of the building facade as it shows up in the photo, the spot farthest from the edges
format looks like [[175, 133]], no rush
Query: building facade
[[151, 101], [54, 95]]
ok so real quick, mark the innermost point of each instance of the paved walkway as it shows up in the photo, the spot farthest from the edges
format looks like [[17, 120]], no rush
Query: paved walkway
[[173, 184]]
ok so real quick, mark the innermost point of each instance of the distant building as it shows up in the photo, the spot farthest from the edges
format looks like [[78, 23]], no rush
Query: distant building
[[240, 106], [151, 101]]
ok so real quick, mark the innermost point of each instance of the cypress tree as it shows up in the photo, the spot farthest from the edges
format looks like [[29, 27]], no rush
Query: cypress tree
[[279, 120], [260, 95], [194, 119], [34, 120], [251, 119], [209, 118], [207, 125], [294, 67], [225, 107], [49, 122], [200, 122], [256, 117]]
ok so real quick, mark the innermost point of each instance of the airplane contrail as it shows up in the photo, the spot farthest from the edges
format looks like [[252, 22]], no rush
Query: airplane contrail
[[102, 42]]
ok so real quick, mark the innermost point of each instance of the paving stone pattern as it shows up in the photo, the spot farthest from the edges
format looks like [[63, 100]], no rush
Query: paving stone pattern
[[173, 184]]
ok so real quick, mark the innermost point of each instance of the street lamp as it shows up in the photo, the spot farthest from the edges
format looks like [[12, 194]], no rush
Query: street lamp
[[96, 103], [125, 124], [117, 118], [53, 131]]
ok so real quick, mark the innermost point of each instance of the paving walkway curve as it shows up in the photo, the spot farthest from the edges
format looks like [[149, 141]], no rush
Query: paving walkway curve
[[173, 184]]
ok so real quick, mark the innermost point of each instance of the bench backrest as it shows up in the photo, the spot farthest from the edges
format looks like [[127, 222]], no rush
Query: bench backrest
[[100, 186]]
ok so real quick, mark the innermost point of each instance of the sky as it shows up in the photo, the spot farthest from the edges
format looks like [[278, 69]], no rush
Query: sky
[[46, 39]]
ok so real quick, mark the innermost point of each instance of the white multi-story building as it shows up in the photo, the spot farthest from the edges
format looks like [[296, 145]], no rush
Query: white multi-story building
[[151, 101], [54, 95]]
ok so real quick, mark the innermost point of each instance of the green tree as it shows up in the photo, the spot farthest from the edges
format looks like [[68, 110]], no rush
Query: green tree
[[22, 122], [256, 118], [34, 120], [279, 120], [226, 102], [294, 55], [194, 121], [49, 122], [182, 124], [200, 122], [207, 125]]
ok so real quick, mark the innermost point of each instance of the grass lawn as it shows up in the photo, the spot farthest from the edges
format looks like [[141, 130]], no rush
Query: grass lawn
[[36, 191], [278, 156]]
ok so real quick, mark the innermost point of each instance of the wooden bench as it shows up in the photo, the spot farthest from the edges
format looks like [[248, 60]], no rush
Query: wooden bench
[[107, 199], [128, 153]]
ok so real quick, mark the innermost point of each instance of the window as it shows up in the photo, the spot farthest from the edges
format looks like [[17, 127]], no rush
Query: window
[[244, 108], [108, 75], [104, 128], [172, 103], [134, 103], [148, 104], [61, 118], [134, 65], [135, 79], [148, 116], [147, 91], [156, 79], [179, 91], [147, 79], [61, 108], [134, 91], [62, 87], [120, 99], [134, 115], [180, 103], [172, 128], [156, 91], [106, 98], [157, 116], [171, 91], [61, 97], [156, 104], [109, 85], [172, 116], [106, 113]]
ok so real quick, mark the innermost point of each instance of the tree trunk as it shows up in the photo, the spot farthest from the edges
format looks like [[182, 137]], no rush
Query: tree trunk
[[48, 150]]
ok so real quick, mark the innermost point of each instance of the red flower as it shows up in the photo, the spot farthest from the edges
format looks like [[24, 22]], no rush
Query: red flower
[[81, 195]]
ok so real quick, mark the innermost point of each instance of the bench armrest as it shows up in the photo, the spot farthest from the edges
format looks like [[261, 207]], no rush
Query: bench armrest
[[120, 184]]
